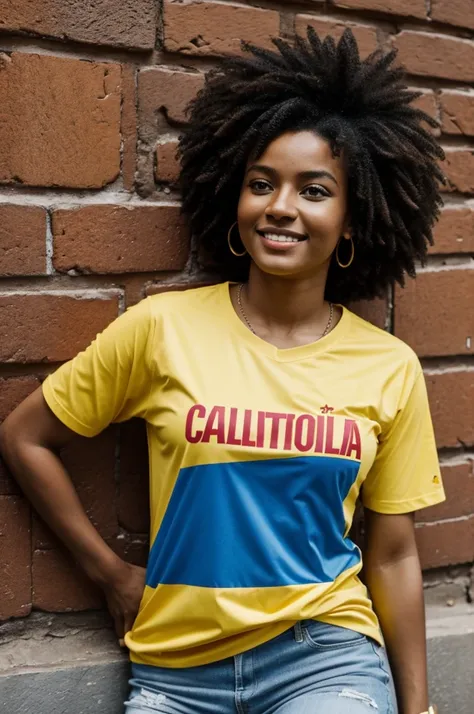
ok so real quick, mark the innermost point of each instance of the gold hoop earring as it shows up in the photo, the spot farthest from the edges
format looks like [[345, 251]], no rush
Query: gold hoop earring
[[345, 265], [238, 255]]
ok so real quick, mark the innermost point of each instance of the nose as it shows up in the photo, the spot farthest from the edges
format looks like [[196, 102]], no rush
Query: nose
[[282, 205]]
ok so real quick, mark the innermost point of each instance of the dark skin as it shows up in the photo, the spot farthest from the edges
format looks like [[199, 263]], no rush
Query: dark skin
[[296, 186]]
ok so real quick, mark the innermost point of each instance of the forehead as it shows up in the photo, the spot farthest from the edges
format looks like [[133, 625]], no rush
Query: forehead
[[297, 152]]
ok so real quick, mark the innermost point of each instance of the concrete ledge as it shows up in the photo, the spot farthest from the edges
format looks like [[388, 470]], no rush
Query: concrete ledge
[[450, 634], [71, 664]]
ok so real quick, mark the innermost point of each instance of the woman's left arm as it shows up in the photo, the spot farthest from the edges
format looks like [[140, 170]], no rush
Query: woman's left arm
[[393, 575]]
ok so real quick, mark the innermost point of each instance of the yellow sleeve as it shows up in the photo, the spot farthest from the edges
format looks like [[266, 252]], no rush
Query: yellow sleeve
[[405, 475], [110, 381]]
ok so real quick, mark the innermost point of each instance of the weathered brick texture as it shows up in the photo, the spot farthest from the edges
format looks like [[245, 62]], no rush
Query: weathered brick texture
[[210, 28], [447, 294], [446, 543], [454, 12], [168, 91], [41, 327], [22, 240], [73, 142], [15, 539], [431, 55], [451, 396], [407, 8], [459, 170], [167, 165], [119, 239], [457, 112], [129, 23], [92, 101], [59, 585], [454, 233]]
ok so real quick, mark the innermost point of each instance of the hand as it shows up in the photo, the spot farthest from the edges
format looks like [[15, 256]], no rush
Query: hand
[[123, 593]]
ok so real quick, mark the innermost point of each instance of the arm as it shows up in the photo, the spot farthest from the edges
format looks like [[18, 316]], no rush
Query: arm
[[393, 575], [30, 439]]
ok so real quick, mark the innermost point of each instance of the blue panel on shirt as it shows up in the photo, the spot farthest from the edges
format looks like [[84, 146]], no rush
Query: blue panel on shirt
[[256, 524]]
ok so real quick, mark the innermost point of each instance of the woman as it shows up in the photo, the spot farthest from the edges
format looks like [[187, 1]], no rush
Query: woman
[[270, 408]]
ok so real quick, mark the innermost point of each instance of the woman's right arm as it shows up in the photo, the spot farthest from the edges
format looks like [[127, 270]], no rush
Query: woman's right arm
[[30, 439]]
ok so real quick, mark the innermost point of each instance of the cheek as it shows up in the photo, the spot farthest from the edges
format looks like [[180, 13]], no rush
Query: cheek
[[324, 219], [250, 207]]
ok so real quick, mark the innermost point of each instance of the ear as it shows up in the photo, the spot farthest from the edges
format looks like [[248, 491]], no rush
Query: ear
[[347, 228]]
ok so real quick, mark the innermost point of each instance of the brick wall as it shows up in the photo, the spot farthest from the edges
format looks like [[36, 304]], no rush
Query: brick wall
[[92, 97]]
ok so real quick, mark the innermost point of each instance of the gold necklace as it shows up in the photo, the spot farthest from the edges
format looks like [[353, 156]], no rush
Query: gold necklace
[[247, 321]]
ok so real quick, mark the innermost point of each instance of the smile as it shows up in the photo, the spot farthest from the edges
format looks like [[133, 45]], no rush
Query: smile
[[282, 237]]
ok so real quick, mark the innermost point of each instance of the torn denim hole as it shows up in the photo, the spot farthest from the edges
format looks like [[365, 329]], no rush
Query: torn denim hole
[[360, 696], [150, 699]]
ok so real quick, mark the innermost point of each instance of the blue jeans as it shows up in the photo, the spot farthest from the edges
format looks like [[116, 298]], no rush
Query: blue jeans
[[312, 668]]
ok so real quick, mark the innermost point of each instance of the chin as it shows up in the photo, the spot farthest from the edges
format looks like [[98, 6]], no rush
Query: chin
[[279, 268]]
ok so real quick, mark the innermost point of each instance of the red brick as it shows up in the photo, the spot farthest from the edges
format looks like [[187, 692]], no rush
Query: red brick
[[22, 240], [454, 232], [15, 549], [374, 311], [69, 110], [12, 391], [451, 397], [129, 23], [167, 165], [434, 315], [365, 35], [206, 28], [129, 127], [458, 482], [459, 170], [119, 239], [156, 288], [427, 103], [410, 8], [60, 586], [162, 89], [457, 112], [434, 55], [133, 495], [91, 465], [453, 12], [132, 548], [51, 327], [446, 543]]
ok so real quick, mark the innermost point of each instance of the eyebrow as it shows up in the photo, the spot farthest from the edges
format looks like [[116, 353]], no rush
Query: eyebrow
[[317, 174]]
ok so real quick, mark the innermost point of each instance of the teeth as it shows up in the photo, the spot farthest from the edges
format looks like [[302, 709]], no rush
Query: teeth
[[280, 238]]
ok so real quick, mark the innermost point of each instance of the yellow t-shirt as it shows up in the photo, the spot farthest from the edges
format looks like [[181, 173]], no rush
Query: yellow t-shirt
[[257, 458]]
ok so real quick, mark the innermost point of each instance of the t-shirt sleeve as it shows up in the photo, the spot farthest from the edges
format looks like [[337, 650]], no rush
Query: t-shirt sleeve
[[405, 475], [110, 380]]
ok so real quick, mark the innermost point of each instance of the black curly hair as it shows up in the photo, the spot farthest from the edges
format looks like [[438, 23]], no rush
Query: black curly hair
[[361, 107]]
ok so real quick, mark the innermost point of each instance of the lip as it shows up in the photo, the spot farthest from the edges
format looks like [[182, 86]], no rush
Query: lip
[[277, 245]]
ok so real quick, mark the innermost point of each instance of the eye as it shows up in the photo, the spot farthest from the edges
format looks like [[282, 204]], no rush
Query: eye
[[315, 191], [260, 185]]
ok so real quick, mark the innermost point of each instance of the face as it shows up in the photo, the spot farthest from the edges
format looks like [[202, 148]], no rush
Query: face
[[293, 205]]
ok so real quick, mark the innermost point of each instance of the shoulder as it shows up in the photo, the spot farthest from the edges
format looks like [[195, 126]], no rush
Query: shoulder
[[186, 301], [382, 349]]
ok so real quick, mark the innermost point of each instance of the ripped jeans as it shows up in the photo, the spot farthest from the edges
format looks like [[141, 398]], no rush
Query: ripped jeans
[[312, 668]]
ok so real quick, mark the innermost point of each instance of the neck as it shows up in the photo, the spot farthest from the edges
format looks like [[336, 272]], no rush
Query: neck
[[285, 302]]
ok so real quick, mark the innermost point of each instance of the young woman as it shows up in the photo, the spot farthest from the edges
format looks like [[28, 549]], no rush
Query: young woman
[[270, 408]]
